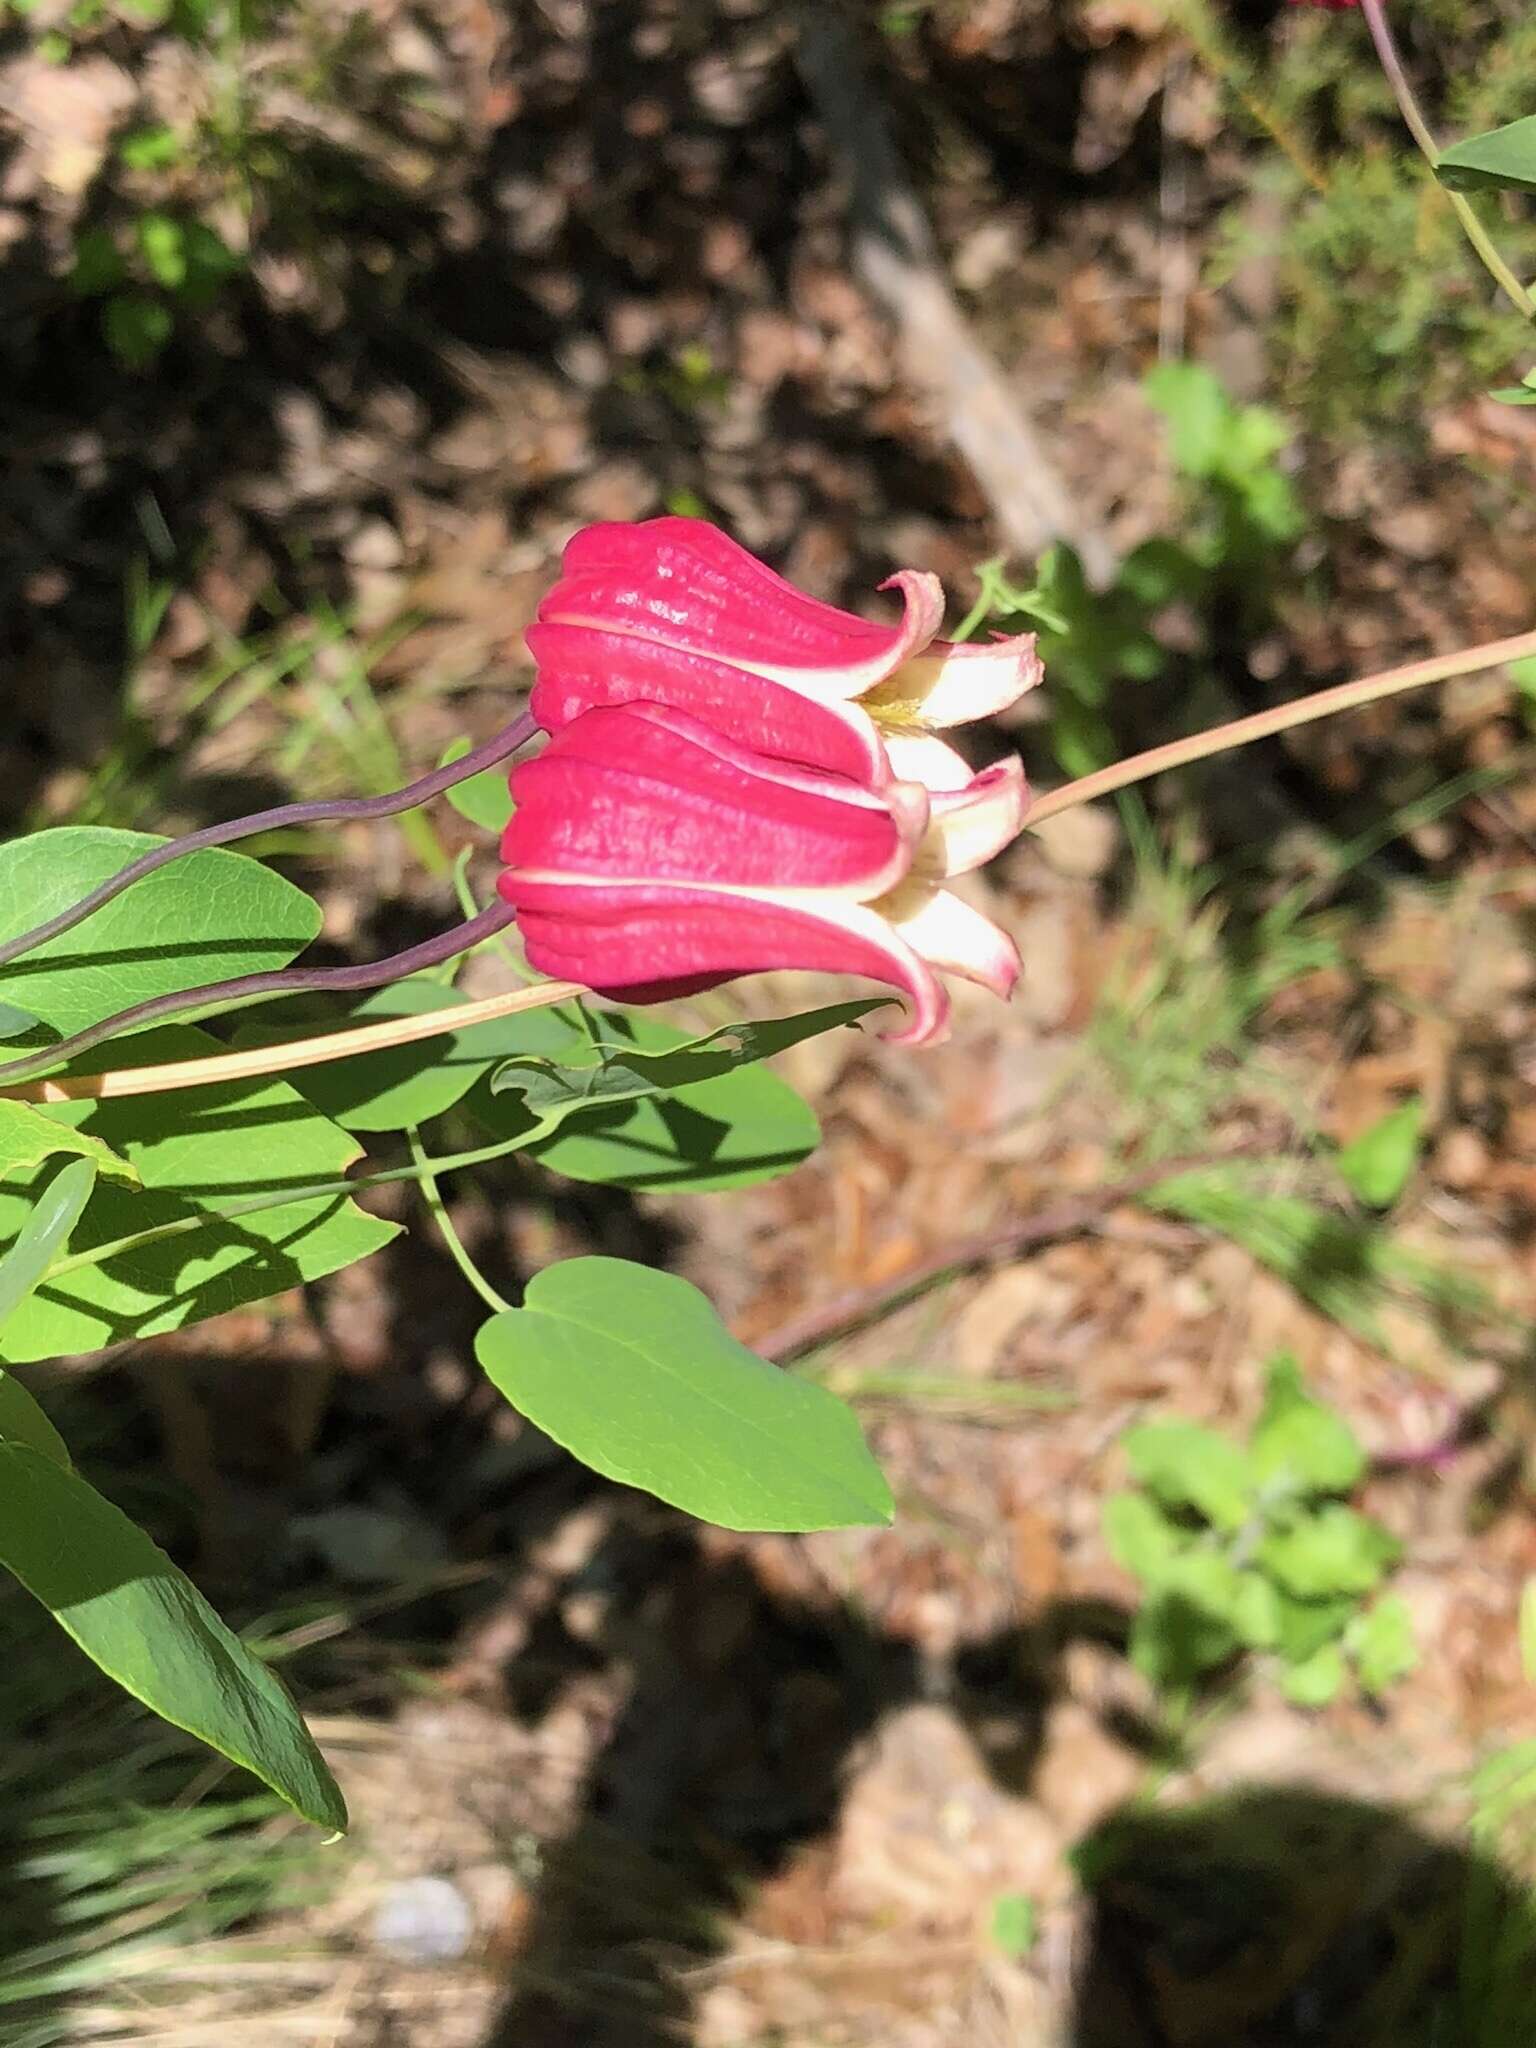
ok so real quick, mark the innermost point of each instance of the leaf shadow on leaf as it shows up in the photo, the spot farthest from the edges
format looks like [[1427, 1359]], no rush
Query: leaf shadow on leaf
[[158, 1270], [695, 1143], [48, 962]]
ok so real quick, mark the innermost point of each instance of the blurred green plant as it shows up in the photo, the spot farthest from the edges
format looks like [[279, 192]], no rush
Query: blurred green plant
[[131, 1864], [1381, 315], [171, 221], [1240, 520], [1252, 1549]]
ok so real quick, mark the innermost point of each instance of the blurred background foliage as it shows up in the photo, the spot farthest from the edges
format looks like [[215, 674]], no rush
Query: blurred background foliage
[[324, 325]]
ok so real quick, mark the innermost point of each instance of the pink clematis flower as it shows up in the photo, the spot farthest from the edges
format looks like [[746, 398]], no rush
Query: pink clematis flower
[[651, 856], [672, 611]]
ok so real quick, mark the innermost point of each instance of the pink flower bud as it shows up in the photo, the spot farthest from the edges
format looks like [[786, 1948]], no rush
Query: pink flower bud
[[651, 856], [671, 611]]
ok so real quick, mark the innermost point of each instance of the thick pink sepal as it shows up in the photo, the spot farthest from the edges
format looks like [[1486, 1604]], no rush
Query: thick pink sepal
[[685, 583], [579, 668], [648, 943], [650, 794]]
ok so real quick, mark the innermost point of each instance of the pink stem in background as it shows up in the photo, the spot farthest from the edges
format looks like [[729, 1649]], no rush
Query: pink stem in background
[[1440, 668]]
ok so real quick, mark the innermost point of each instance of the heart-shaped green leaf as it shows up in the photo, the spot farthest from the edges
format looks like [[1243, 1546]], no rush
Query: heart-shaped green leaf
[[204, 918], [634, 1373]]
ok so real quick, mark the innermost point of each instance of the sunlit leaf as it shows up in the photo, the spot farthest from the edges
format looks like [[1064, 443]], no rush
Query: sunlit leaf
[[147, 1626], [634, 1373]]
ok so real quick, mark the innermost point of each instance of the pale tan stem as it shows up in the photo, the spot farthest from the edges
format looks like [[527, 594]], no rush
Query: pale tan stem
[[1262, 725], [301, 1052]]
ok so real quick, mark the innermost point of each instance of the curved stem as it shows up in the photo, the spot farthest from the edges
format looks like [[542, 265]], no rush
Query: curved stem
[[1413, 115], [282, 981], [458, 1250], [282, 1198], [1240, 732], [321, 812]]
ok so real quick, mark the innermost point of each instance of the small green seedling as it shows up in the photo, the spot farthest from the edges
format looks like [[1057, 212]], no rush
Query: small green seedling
[[1254, 1549], [1014, 1925]]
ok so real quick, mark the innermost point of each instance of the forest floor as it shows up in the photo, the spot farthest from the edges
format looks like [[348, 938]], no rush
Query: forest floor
[[746, 1791]]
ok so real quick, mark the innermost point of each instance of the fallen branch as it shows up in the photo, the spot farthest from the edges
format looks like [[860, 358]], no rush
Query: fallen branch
[[895, 256], [859, 1305]]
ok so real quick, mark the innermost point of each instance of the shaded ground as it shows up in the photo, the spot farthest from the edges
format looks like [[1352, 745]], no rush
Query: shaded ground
[[770, 1791]]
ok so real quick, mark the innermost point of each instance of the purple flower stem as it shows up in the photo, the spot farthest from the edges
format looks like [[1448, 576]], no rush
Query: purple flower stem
[[282, 981], [323, 812]]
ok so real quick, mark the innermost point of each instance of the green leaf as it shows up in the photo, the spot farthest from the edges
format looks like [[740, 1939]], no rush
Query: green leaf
[[28, 1137], [1300, 1444], [744, 1126], [1305, 1625], [152, 148], [23, 1422], [1316, 1681], [1377, 1164], [1382, 1644], [1141, 1537], [208, 916], [1256, 1611], [1334, 1550], [164, 245], [1189, 1467], [1189, 1625], [44, 1234], [1503, 160], [98, 264], [407, 1084], [208, 262], [484, 799], [225, 1143], [620, 1071], [147, 1626], [633, 1372], [136, 328], [1191, 399], [1015, 1924]]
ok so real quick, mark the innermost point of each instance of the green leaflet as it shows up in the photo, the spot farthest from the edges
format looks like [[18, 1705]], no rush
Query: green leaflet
[[633, 1372], [28, 1136], [147, 1626], [224, 1143], [204, 918]]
